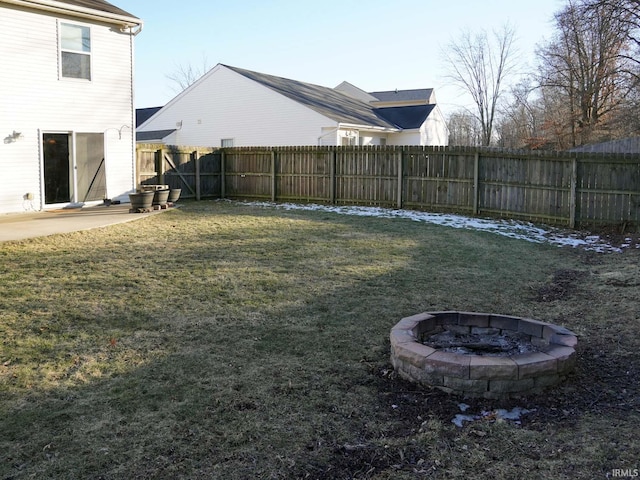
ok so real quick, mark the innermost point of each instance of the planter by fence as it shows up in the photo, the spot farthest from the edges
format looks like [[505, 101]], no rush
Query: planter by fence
[[160, 197], [571, 189], [174, 195], [141, 200]]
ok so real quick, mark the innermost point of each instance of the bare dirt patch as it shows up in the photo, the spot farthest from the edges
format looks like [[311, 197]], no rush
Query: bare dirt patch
[[560, 286]]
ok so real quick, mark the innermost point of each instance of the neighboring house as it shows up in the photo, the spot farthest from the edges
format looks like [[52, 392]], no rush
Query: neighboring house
[[229, 106], [66, 103]]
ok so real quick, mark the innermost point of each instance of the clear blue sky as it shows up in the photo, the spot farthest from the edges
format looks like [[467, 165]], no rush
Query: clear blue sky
[[375, 44]]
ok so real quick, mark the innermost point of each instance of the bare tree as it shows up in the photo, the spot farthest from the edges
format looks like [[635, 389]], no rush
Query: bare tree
[[520, 123], [587, 64], [184, 76], [464, 129], [480, 64], [627, 12]]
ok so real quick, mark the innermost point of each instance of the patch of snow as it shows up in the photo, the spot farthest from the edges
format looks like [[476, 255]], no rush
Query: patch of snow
[[513, 414], [494, 415], [508, 228], [460, 419]]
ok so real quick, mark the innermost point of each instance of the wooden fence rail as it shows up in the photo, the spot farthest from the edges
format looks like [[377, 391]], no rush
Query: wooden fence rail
[[570, 189]]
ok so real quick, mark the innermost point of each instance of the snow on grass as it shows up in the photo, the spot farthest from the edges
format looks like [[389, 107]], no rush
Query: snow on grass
[[508, 228]]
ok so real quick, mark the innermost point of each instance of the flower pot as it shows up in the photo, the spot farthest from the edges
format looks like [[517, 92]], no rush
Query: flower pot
[[160, 197], [174, 195], [141, 200]]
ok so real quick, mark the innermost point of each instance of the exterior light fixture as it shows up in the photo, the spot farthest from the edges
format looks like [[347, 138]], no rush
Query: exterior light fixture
[[13, 137]]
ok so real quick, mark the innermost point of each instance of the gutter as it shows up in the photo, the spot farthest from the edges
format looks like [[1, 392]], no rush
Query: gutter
[[354, 126], [369, 128], [125, 22], [328, 133]]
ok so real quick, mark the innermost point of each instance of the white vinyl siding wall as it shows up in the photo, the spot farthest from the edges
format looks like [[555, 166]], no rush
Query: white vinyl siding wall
[[35, 99], [224, 104]]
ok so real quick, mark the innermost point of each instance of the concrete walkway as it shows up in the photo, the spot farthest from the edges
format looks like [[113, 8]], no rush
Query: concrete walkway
[[20, 226]]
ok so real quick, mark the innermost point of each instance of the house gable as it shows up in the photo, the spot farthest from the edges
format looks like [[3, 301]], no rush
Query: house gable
[[355, 92], [226, 105]]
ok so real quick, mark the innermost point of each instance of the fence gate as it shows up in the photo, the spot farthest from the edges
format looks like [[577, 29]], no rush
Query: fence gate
[[195, 171]]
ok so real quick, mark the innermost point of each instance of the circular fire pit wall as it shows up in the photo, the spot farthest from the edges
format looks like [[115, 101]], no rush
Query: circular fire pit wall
[[481, 355]]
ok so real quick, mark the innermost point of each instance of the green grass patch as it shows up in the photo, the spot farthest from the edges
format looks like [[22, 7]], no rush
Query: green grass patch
[[224, 340]]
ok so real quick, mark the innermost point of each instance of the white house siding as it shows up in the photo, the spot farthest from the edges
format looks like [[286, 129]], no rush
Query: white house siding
[[367, 138], [406, 137], [328, 136], [33, 99], [226, 105], [434, 130]]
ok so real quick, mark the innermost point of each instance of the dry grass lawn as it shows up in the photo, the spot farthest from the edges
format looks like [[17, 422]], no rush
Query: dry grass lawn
[[226, 341]]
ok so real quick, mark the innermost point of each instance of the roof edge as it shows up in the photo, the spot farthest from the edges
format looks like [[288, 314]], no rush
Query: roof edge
[[83, 12]]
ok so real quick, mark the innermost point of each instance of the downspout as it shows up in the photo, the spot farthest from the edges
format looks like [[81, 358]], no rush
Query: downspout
[[329, 133], [134, 151]]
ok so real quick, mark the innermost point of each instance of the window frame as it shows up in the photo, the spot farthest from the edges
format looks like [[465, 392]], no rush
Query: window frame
[[62, 51]]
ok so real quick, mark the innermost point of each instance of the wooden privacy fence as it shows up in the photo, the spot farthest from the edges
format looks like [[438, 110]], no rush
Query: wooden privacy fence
[[571, 189]]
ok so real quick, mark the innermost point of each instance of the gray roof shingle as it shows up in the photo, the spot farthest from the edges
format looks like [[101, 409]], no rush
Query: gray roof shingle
[[326, 101], [406, 117], [404, 95], [99, 5], [153, 136], [144, 114]]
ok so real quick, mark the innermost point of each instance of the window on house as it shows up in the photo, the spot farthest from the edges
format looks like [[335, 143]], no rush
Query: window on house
[[226, 142], [75, 51], [383, 141]]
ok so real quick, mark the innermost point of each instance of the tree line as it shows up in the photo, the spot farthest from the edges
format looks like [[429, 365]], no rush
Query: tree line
[[584, 88]]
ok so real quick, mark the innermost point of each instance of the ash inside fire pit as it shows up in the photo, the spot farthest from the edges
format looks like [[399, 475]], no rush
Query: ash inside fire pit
[[492, 343]]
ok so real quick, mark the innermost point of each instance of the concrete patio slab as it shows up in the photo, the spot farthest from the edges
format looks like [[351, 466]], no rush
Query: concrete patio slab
[[21, 226]]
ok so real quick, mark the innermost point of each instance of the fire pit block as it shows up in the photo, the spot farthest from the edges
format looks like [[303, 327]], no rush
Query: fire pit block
[[480, 354]]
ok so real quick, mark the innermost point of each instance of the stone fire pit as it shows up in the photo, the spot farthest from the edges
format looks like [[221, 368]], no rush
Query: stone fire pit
[[480, 354]]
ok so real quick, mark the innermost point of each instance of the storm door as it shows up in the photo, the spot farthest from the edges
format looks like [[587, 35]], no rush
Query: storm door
[[91, 178], [73, 173], [58, 182]]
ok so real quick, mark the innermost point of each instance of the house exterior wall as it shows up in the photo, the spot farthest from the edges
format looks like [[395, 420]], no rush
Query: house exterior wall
[[35, 99], [226, 105], [406, 137], [434, 130]]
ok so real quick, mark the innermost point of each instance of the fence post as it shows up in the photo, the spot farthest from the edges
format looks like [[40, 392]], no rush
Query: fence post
[[332, 175], [136, 175], [476, 183], [223, 179], [160, 166], [273, 175], [196, 161], [399, 159], [573, 192]]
